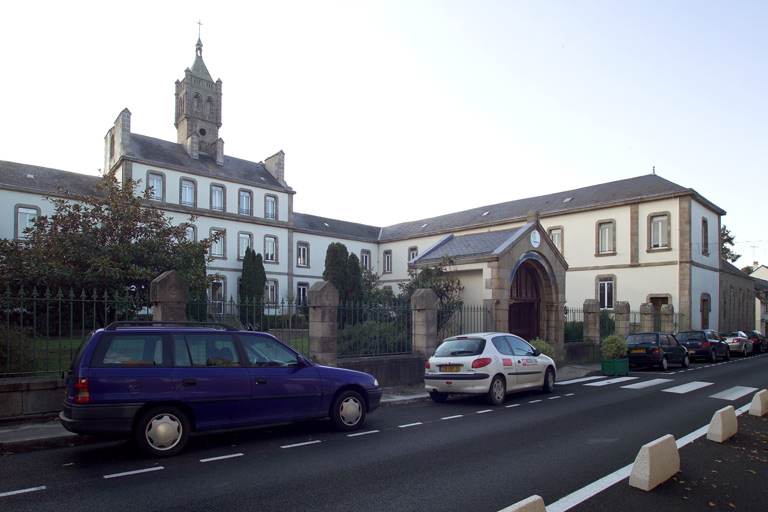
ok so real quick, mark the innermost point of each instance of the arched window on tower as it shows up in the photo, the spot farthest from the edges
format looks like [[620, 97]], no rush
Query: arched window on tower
[[209, 108], [196, 104]]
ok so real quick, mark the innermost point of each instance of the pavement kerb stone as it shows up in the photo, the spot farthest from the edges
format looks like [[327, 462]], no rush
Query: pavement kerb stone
[[657, 462]]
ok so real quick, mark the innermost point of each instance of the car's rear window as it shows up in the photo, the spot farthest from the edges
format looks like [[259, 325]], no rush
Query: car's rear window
[[642, 339], [687, 336], [132, 349], [461, 347], [734, 334]]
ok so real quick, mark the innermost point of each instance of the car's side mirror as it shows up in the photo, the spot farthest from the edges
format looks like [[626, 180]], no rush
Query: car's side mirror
[[536, 352]]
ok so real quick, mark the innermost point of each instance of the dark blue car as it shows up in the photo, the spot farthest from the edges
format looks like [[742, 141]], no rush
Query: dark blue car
[[156, 384]]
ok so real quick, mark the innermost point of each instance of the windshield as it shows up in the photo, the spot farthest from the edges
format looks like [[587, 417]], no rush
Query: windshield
[[461, 347], [642, 339], [687, 336]]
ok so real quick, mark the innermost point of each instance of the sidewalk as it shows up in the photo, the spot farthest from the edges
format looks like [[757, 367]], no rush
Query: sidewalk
[[35, 435]]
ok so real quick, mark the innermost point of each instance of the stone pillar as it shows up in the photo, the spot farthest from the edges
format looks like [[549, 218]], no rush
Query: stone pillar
[[646, 317], [592, 322], [424, 308], [323, 300], [621, 317], [667, 318], [169, 294]]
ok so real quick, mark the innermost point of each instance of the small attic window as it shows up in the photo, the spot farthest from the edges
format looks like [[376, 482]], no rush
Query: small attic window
[[485, 213], [326, 224], [31, 176], [425, 225], [567, 199], [262, 178]]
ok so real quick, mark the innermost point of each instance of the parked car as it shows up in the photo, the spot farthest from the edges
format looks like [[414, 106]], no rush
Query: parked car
[[759, 342], [656, 349], [490, 363], [739, 343], [157, 383], [704, 344]]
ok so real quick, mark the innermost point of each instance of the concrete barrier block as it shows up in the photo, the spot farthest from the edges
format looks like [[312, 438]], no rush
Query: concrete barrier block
[[657, 462], [723, 425], [532, 504], [759, 405]]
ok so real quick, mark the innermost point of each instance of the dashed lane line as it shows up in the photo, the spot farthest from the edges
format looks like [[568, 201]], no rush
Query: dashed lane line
[[131, 473]]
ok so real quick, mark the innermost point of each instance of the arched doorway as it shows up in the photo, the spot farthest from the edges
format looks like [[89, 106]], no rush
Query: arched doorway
[[525, 302]]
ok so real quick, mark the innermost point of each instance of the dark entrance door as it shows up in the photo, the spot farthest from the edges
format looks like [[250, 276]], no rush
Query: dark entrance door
[[524, 319], [524, 303]]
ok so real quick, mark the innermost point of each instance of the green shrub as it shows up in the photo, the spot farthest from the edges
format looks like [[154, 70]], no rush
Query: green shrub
[[543, 347], [613, 347]]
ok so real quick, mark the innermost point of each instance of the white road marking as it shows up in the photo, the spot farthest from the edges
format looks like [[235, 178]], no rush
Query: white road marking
[[734, 393], [554, 397], [452, 417], [512, 405], [363, 433], [534, 401], [687, 388], [129, 473], [484, 411], [212, 459], [409, 425], [300, 444], [646, 384], [22, 491], [611, 381], [577, 381]]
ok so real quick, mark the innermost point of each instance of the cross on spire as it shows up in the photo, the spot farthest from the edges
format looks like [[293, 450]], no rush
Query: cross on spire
[[199, 24]]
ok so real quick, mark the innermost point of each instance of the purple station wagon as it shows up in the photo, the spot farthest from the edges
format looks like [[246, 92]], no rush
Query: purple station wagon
[[156, 383]]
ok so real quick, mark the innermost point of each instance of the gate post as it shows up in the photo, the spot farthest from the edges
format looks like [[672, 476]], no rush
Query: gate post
[[424, 306], [323, 300], [169, 293]]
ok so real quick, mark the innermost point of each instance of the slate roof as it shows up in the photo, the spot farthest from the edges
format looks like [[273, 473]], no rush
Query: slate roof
[[470, 246], [171, 154], [622, 191], [333, 227], [36, 179]]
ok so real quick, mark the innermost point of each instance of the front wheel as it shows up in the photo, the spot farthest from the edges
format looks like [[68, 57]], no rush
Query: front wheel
[[162, 431], [497, 392], [348, 411], [549, 381]]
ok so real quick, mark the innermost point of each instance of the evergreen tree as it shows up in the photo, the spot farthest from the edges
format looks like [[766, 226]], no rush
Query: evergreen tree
[[354, 279], [727, 240], [336, 268]]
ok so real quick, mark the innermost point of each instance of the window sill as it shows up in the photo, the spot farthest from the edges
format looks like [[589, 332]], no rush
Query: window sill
[[602, 254], [658, 249]]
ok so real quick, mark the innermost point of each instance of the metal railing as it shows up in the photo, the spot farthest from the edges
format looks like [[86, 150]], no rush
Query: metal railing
[[371, 329], [454, 319]]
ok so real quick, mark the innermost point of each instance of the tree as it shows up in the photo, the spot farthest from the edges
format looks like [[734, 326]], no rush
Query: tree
[[441, 278], [337, 268], [112, 240], [354, 290], [727, 241]]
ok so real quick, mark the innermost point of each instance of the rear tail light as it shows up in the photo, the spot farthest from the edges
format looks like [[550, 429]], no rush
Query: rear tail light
[[704, 344], [427, 365], [655, 352], [480, 362], [82, 392]]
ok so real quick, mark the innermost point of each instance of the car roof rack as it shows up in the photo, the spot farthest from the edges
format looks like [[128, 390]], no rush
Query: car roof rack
[[168, 323]]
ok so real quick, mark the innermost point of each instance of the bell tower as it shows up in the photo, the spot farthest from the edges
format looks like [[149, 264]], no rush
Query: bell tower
[[198, 110]]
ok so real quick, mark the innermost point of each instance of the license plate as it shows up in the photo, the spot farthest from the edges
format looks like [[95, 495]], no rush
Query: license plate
[[451, 368], [691, 351], [638, 351]]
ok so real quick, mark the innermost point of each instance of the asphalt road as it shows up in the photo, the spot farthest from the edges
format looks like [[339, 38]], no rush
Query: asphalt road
[[461, 455]]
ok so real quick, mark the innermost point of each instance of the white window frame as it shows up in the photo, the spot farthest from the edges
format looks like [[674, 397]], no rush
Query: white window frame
[[556, 235], [187, 192], [191, 233], [658, 227], [302, 254], [270, 249], [387, 262], [365, 259], [413, 252], [302, 290], [606, 237], [270, 291], [245, 202], [270, 207], [155, 186], [218, 249], [606, 292], [244, 241], [218, 194], [25, 218]]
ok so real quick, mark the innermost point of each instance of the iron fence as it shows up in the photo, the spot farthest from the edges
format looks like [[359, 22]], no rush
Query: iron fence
[[374, 329], [40, 332], [455, 319], [574, 325]]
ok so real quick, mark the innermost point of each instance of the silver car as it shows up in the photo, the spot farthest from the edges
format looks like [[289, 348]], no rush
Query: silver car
[[739, 343]]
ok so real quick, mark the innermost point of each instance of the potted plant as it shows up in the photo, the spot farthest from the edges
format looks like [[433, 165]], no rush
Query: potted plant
[[613, 350]]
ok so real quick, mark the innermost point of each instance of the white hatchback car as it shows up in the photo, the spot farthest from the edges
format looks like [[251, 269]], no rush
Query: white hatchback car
[[488, 363]]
